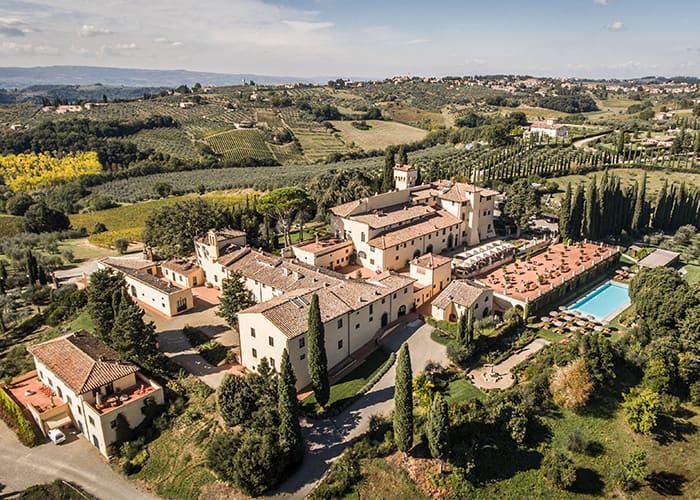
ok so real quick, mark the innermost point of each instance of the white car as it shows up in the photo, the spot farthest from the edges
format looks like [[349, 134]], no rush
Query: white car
[[56, 436]]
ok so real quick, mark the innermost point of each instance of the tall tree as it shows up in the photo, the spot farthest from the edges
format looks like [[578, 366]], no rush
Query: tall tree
[[100, 298], [403, 401], [290, 439], [522, 201], [565, 214], [638, 217], [41, 219], [591, 214], [234, 298], [388, 172], [31, 267], [3, 277], [132, 337], [172, 228], [438, 428], [283, 205], [318, 362], [402, 157]]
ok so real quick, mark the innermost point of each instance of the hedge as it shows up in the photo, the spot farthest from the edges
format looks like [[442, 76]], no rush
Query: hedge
[[13, 415]]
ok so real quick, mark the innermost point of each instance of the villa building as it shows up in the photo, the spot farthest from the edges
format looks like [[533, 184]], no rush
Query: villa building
[[390, 229], [354, 314], [79, 380], [432, 274], [462, 296], [330, 253], [549, 128], [214, 245]]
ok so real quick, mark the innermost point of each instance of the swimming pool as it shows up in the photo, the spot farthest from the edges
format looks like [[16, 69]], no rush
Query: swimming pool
[[605, 302]]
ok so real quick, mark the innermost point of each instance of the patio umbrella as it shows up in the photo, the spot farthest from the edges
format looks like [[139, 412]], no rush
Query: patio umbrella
[[553, 313], [589, 316], [545, 318], [562, 308]]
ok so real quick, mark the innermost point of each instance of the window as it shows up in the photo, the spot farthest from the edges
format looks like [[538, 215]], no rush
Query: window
[[90, 419], [371, 249], [302, 356], [340, 323], [340, 344], [371, 261], [252, 332], [216, 278], [181, 304], [397, 257], [272, 363], [383, 300], [51, 382], [362, 236], [68, 399], [357, 326], [476, 306], [486, 299], [80, 411], [371, 308], [371, 318], [361, 254], [271, 341], [113, 424], [60, 392], [405, 291], [302, 342], [255, 353], [394, 295]]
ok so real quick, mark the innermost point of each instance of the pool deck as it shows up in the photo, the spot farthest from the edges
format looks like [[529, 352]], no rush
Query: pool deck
[[608, 318]]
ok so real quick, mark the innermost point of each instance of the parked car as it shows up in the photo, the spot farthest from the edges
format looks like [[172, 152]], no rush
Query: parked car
[[56, 436]]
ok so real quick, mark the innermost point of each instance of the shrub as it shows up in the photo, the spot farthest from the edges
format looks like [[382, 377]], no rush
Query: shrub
[[99, 228], [342, 475], [695, 393], [576, 442], [642, 409], [571, 385], [13, 416], [559, 470], [121, 245]]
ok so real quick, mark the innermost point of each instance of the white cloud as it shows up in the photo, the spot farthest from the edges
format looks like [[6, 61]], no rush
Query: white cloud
[[26, 48], [119, 49], [601, 2], [164, 41], [616, 26], [89, 30], [417, 41], [306, 26], [12, 27], [476, 62]]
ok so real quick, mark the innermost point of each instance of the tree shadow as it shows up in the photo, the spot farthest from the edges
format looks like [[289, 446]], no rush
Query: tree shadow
[[667, 483], [588, 481], [673, 429], [537, 432], [595, 449], [494, 463]]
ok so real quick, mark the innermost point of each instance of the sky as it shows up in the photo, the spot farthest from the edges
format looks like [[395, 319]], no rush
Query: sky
[[359, 38]]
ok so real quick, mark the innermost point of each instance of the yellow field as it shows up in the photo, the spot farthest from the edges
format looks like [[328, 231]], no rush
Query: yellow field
[[380, 135], [24, 172]]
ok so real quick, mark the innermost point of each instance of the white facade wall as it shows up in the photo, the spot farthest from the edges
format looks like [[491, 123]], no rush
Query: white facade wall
[[480, 308], [195, 277], [159, 300], [333, 259]]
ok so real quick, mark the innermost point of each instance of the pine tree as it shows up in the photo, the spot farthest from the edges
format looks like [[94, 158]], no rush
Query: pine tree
[[318, 363], [438, 427], [565, 214], [638, 219], [403, 401], [388, 173], [132, 337], [290, 439], [234, 297]]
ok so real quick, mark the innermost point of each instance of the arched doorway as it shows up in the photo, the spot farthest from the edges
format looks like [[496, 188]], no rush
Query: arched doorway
[[416, 254], [385, 319], [450, 241], [486, 312], [402, 311], [429, 249]]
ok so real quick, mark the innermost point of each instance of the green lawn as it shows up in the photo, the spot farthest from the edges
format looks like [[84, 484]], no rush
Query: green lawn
[[692, 275], [83, 322], [462, 390], [349, 385]]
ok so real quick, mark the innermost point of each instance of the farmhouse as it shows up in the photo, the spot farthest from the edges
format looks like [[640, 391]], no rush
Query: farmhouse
[[462, 296], [79, 380], [151, 291], [390, 229], [548, 128], [354, 314]]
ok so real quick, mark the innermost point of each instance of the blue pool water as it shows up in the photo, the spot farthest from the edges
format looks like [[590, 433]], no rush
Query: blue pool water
[[605, 300]]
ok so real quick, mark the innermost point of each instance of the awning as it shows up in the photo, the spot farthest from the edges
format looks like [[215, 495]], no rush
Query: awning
[[58, 421]]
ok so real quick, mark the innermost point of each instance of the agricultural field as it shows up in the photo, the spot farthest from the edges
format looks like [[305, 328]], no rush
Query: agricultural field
[[234, 144], [411, 115], [24, 172], [655, 178], [173, 141], [380, 135], [316, 141], [127, 221]]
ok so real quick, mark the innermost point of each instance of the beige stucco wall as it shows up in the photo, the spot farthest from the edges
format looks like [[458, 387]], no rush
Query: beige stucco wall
[[195, 277], [157, 299], [484, 302], [332, 260]]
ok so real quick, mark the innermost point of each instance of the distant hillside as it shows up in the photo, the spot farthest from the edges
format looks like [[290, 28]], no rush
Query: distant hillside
[[11, 78], [36, 94]]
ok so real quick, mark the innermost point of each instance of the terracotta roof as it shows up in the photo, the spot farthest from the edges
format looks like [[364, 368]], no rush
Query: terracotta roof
[[546, 126], [397, 214], [82, 361], [127, 263], [457, 191], [147, 279], [323, 246], [182, 266], [462, 292], [234, 253], [404, 168], [346, 208], [289, 312], [431, 261], [439, 219], [223, 234]]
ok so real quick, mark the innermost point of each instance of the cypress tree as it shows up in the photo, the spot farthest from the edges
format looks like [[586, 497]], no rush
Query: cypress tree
[[463, 333], [659, 218], [32, 267], [403, 401], [402, 156], [638, 216], [290, 439], [318, 363], [565, 214], [3, 277], [576, 217], [100, 294], [437, 428], [388, 173], [590, 225]]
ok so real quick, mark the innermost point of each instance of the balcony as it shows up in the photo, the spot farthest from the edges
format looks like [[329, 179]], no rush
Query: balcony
[[136, 393]]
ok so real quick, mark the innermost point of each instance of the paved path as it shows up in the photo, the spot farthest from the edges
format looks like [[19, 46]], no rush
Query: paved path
[[75, 460], [174, 344], [501, 376], [326, 439]]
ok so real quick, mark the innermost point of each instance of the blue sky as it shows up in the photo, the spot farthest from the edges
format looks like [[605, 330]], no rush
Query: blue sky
[[594, 38]]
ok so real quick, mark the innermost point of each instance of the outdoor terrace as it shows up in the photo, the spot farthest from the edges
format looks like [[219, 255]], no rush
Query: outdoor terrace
[[29, 390], [140, 390], [527, 281]]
